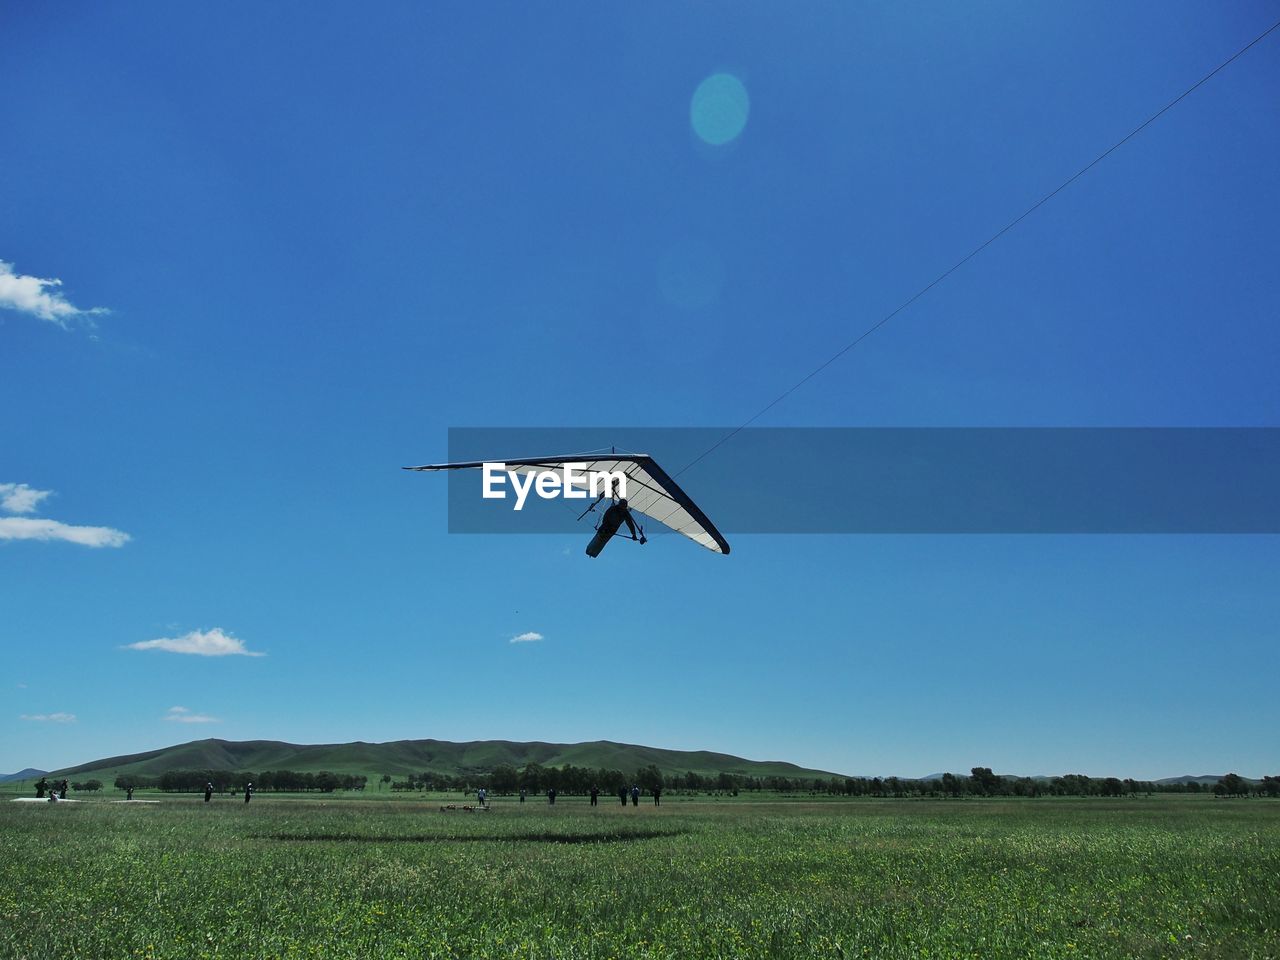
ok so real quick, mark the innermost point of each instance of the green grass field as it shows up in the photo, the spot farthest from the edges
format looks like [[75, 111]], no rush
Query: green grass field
[[1169, 877]]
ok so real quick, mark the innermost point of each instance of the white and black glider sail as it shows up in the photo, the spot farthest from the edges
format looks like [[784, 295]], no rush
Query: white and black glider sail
[[649, 489]]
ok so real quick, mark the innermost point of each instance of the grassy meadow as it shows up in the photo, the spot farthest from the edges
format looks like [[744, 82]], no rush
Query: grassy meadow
[[285, 877]]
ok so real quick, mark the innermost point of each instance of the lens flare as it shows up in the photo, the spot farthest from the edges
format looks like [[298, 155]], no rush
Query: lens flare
[[719, 109]]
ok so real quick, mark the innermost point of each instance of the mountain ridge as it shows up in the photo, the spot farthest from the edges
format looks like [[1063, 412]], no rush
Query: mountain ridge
[[402, 757]]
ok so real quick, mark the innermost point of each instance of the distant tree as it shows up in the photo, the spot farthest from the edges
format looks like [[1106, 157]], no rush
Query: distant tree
[[1112, 787], [650, 777], [384, 780], [611, 780], [1233, 785], [504, 779], [575, 779], [985, 783], [533, 777], [1074, 785], [1271, 786]]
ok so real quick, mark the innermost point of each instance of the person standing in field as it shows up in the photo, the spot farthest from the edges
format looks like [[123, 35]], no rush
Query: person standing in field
[[523, 792], [128, 793], [41, 787], [635, 795], [622, 794], [551, 796], [208, 791], [480, 795], [595, 796], [657, 796], [64, 790], [248, 791]]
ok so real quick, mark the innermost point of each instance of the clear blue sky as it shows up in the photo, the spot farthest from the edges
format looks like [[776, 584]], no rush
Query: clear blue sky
[[322, 237]]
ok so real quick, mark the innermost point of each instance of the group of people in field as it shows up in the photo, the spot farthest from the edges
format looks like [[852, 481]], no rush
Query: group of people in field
[[623, 794], [57, 791], [208, 791]]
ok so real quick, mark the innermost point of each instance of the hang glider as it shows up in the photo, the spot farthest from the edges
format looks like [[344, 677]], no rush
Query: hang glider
[[649, 489]]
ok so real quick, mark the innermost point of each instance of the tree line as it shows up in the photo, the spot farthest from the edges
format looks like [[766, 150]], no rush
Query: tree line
[[983, 782], [290, 781], [979, 782], [535, 778]]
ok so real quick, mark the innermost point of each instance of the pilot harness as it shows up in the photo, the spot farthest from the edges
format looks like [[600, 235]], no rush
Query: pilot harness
[[618, 533]]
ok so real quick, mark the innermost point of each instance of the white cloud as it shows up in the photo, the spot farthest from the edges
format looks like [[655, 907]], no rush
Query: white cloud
[[39, 298], [50, 717], [19, 498], [31, 528], [202, 643], [529, 637], [183, 715]]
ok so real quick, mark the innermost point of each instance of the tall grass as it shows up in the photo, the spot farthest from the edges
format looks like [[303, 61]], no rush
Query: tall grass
[[1136, 878]]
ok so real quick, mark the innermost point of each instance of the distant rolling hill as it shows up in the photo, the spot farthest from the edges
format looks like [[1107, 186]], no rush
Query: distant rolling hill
[[402, 757], [27, 774]]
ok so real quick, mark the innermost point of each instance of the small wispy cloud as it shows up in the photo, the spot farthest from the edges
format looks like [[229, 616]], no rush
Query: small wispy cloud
[[201, 643], [530, 637], [49, 717], [19, 498], [33, 528], [39, 297], [183, 715]]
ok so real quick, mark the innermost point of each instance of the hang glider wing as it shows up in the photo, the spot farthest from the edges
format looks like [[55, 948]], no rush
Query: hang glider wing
[[649, 489]]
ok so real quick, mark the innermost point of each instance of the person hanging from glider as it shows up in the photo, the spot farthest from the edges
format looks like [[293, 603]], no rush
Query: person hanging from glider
[[648, 490], [613, 519]]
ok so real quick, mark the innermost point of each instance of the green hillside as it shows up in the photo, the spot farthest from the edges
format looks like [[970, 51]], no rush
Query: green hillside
[[403, 757]]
